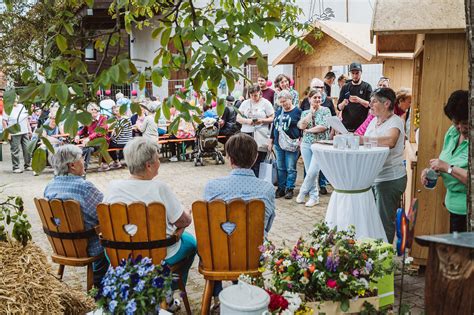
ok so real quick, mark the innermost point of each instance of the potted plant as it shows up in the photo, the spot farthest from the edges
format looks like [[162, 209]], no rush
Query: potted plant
[[136, 286], [331, 271]]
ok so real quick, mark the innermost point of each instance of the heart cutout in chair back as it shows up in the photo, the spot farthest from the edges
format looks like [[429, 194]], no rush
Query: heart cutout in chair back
[[130, 229], [228, 227], [56, 221]]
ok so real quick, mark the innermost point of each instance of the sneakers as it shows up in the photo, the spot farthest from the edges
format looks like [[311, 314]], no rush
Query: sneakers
[[17, 171], [104, 167], [280, 192], [300, 198], [115, 165], [312, 202], [289, 194], [29, 168], [323, 191], [174, 158]]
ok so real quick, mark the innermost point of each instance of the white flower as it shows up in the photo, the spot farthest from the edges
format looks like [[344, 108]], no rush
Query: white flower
[[286, 263], [370, 260], [304, 280], [364, 282], [286, 312], [294, 301], [408, 260], [320, 258], [320, 275], [383, 256], [342, 276]]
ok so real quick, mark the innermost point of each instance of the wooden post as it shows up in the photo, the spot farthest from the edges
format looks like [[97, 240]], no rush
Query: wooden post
[[449, 274]]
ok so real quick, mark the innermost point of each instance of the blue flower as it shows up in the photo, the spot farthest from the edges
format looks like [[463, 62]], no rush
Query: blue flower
[[126, 276], [331, 263], [158, 282], [112, 305], [131, 307], [140, 286], [119, 270], [141, 271], [106, 290], [368, 266], [124, 290], [146, 260]]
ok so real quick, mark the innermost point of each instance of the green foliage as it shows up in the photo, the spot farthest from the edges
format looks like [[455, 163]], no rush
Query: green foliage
[[209, 40], [12, 217]]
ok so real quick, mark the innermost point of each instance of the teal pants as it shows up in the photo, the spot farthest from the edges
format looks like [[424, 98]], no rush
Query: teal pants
[[187, 251], [387, 197]]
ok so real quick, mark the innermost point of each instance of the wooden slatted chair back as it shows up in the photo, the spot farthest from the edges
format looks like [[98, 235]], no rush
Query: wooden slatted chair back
[[144, 224], [63, 217], [229, 234]]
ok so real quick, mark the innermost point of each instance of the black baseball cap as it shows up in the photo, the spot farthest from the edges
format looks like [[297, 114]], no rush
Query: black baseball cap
[[355, 66], [230, 98]]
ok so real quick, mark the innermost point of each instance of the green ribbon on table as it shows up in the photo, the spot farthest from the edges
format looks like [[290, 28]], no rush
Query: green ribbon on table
[[358, 191]]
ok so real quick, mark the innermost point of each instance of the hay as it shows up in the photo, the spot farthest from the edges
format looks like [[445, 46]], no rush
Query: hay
[[28, 285]]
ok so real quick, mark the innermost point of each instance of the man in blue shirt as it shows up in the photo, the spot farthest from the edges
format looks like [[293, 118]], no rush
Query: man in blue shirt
[[68, 184], [242, 152]]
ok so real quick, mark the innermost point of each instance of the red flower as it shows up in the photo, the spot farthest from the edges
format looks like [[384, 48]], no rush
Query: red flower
[[331, 283], [311, 252], [277, 302]]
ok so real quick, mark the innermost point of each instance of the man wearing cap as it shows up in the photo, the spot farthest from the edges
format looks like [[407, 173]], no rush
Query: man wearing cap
[[354, 99], [228, 122]]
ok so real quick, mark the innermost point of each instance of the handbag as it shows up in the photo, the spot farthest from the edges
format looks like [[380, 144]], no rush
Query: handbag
[[268, 169], [285, 142], [261, 136]]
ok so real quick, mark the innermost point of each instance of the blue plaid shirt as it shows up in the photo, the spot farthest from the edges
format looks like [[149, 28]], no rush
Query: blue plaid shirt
[[76, 188], [242, 183]]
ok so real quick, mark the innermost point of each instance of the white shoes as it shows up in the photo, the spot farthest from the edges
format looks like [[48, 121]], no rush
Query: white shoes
[[17, 171], [174, 159], [312, 202], [300, 198]]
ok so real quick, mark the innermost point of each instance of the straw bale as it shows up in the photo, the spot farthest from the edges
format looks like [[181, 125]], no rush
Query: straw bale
[[28, 285]]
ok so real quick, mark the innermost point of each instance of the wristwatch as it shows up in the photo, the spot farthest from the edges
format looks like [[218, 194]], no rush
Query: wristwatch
[[450, 169]]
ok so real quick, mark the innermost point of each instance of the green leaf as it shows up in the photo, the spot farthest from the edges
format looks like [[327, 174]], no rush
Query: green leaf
[[142, 81], [28, 94], [220, 107], [39, 160], [84, 118], [166, 109], [114, 72], [90, 3], [61, 42], [176, 103], [136, 108], [47, 143], [31, 146], [345, 305], [62, 93], [14, 129], [156, 32], [46, 90], [165, 37], [70, 125], [69, 29], [156, 77], [98, 142], [8, 100], [262, 66]]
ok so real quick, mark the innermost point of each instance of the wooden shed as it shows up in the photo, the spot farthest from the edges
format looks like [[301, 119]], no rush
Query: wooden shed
[[337, 44], [434, 31]]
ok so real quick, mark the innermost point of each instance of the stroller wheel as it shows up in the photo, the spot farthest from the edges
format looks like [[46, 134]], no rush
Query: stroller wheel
[[222, 160], [195, 162], [201, 161]]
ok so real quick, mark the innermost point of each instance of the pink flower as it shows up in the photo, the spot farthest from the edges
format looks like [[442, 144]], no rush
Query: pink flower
[[331, 283]]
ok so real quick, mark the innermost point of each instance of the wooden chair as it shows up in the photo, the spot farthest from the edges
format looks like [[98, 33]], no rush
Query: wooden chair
[[64, 226], [228, 236], [146, 236]]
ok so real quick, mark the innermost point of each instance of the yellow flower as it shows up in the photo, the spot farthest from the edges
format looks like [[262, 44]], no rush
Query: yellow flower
[[261, 269], [361, 292], [286, 252]]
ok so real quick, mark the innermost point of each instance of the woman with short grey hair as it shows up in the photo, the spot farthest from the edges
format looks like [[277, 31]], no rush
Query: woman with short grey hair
[[141, 155], [69, 184]]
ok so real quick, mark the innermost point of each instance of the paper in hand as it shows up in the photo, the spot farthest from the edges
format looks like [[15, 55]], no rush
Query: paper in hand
[[336, 124]]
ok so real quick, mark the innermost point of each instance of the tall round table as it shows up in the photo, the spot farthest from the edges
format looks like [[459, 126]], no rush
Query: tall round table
[[352, 174]]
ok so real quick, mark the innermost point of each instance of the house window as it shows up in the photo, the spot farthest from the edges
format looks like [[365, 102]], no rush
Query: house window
[[90, 52]]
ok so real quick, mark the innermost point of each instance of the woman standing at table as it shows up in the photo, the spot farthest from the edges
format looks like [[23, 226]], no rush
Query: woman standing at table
[[453, 160], [286, 120], [315, 128], [389, 130]]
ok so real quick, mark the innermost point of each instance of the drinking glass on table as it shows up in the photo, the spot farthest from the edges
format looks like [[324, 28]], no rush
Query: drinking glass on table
[[367, 143]]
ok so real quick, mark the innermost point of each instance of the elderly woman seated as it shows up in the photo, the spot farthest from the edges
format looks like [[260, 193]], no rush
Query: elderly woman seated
[[69, 184], [141, 156]]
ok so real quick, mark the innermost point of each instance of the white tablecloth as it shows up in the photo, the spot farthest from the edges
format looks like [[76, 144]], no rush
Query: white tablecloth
[[352, 170]]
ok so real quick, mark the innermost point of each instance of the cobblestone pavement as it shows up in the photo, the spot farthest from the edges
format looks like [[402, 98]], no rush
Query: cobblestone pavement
[[187, 181]]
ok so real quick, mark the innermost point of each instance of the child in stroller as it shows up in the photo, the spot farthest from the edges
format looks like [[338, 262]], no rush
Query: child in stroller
[[207, 141]]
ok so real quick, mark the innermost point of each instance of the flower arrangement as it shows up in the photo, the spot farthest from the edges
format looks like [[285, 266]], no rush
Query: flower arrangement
[[330, 266], [136, 286]]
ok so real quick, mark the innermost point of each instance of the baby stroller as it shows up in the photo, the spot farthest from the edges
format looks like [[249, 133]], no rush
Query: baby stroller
[[207, 141]]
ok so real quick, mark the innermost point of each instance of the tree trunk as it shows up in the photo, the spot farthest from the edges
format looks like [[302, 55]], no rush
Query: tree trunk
[[469, 27]]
